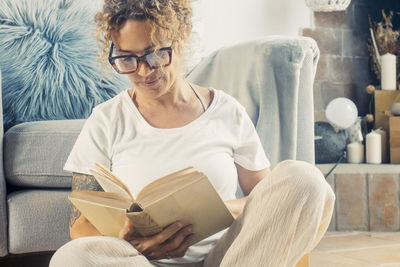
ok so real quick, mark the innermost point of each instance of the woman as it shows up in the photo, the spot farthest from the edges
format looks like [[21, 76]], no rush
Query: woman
[[165, 124]]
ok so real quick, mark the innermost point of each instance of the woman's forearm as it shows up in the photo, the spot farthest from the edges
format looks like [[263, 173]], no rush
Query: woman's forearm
[[236, 206], [81, 228]]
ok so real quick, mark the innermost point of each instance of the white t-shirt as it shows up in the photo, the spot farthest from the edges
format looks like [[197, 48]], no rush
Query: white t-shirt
[[117, 136]]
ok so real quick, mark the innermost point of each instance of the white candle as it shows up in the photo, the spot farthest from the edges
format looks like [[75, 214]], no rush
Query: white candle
[[374, 148], [384, 145], [355, 153], [388, 72]]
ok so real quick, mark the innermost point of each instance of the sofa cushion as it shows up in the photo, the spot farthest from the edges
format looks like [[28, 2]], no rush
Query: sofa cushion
[[38, 220], [35, 152]]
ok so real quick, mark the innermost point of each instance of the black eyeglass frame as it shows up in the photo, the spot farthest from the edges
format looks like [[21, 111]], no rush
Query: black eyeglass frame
[[143, 59]]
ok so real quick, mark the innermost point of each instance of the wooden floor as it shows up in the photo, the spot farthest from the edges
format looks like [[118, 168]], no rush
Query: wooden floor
[[336, 249], [357, 249]]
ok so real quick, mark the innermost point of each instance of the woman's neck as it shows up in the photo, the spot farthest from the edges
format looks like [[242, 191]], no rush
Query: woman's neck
[[176, 108], [178, 94]]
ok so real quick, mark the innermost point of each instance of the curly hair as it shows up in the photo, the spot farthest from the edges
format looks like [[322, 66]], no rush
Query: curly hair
[[169, 20]]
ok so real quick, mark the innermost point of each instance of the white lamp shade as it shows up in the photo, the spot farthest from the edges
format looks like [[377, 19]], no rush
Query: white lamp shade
[[327, 5], [341, 112]]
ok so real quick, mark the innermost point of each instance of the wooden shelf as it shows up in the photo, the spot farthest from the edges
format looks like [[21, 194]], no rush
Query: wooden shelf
[[360, 168]]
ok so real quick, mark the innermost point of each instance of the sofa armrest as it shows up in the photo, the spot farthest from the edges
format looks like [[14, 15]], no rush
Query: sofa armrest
[[3, 190]]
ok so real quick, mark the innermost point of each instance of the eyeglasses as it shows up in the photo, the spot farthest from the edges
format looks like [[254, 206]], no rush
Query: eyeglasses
[[129, 63]]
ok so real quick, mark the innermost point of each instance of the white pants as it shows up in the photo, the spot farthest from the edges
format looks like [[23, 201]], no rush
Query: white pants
[[285, 217]]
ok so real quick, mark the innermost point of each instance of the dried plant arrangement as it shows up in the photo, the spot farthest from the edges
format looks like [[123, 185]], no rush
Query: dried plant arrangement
[[384, 39]]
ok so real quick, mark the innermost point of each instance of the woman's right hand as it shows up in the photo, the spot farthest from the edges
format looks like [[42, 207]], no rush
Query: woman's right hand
[[172, 242]]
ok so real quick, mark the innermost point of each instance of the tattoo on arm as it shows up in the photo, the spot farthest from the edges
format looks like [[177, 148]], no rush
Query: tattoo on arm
[[75, 214], [82, 182]]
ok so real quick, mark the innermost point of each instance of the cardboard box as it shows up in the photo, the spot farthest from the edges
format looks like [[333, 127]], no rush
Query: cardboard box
[[394, 139], [383, 101]]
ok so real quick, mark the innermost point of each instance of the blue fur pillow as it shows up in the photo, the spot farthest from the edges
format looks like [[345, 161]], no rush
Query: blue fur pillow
[[48, 59]]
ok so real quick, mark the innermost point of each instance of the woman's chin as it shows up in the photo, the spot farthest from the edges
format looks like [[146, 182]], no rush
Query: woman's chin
[[153, 91]]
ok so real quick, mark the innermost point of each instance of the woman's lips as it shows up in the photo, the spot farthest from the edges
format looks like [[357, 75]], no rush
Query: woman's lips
[[150, 82]]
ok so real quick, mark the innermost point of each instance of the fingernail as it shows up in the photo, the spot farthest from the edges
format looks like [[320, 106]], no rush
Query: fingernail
[[191, 228]]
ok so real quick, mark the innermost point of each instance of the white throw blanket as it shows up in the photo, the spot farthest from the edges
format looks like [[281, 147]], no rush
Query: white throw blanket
[[273, 79]]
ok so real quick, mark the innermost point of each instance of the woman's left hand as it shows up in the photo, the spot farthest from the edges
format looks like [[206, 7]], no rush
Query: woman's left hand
[[172, 242]]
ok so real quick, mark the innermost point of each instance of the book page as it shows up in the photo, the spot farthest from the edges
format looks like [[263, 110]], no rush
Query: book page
[[103, 198], [164, 180], [164, 189], [109, 185], [143, 223], [106, 211], [197, 203], [103, 173]]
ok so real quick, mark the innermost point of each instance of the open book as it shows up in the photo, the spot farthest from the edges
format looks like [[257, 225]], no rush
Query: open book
[[185, 195]]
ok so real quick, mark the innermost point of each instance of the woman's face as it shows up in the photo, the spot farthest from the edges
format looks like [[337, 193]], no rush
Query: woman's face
[[134, 39]]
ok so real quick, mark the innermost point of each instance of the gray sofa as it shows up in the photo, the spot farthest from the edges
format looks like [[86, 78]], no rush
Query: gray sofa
[[272, 77]]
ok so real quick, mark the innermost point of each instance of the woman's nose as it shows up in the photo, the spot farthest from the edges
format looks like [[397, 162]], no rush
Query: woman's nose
[[143, 69]]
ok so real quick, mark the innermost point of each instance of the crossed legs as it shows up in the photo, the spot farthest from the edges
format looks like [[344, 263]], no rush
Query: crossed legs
[[285, 217]]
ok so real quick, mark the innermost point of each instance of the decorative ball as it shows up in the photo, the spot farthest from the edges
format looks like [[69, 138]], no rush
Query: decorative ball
[[395, 109], [370, 89], [369, 118], [329, 143]]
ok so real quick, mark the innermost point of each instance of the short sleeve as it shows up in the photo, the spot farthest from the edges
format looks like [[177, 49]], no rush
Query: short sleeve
[[91, 146], [249, 152]]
